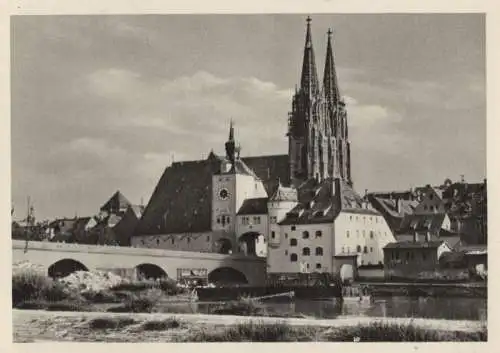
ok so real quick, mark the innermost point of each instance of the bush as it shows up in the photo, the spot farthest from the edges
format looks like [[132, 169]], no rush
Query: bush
[[110, 323], [168, 286], [161, 325], [145, 302], [30, 286], [101, 297]]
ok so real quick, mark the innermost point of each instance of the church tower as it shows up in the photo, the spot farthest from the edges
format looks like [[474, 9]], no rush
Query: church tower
[[318, 145]]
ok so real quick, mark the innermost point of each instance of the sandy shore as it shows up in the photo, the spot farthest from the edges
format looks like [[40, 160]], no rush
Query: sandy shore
[[34, 325]]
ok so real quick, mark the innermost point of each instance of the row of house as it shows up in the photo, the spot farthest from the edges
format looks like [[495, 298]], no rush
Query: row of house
[[113, 224]]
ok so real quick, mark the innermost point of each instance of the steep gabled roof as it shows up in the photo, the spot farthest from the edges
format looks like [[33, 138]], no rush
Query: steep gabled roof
[[253, 206], [116, 202]]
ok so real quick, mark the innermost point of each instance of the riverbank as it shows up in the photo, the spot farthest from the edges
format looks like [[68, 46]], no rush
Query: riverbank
[[37, 325]]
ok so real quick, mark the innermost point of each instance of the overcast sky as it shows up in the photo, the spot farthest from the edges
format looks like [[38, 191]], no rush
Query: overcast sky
[[101, 103]]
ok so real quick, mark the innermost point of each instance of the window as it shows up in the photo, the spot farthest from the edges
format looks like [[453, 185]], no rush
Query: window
[[371, 249], [293, 242], [274, 219], [293, 258], [348, 249], [364, 234], [273, 234], [319, 251], [347, 234], [365, 249], [343, 250], [208, 237], [218, 220], [286, 235], [371, 234], [157, 241], [305, 235], [318, 234], [173, 241], [380, 263], [228, 219], [358, 248], [306, 251], [293, 228], [188, 240], [318, 266], [286, 252], [350, 218], [357, 233]]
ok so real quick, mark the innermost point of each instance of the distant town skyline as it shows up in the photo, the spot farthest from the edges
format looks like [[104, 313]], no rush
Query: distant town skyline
[[102, 103]]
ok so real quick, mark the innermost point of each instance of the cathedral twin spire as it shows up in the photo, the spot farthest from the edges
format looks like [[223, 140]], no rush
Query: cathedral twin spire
[[309, 82], [318, 140]]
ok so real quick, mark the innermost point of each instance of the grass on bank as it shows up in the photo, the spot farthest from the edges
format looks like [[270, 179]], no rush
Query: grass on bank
[[379, 332]]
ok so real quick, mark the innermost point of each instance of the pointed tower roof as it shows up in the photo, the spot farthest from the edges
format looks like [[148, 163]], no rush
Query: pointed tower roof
[[284, 193], [116, 203], [309, 78], [230, 144], [330, 83]]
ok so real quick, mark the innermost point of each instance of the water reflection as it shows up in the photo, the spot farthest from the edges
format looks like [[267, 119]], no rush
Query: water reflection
[[438, 308]]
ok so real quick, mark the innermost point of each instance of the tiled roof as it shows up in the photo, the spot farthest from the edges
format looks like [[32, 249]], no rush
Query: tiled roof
[[322, 202], [364, 211], [182, 199], [254, 206], [422, 222], [414, 245], [390, 206], [116, 202], [269, 169]]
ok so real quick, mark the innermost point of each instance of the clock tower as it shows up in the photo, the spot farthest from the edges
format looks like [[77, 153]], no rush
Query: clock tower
[[235, 183]]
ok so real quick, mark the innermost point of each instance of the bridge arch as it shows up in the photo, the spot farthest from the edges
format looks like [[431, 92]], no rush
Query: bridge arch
[[65, 267], [150, 271], [227, 275], [248, 243]]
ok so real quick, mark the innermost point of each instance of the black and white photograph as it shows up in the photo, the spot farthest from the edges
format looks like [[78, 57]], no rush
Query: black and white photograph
[[272, 177]]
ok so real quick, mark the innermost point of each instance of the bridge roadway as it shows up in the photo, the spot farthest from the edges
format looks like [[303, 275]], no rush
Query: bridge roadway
[[61, 258]]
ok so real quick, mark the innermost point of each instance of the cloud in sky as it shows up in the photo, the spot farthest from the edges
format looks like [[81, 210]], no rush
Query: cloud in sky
[[103, 103]]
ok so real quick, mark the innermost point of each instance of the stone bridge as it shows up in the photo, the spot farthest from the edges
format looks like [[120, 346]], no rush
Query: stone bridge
[[62, 259]]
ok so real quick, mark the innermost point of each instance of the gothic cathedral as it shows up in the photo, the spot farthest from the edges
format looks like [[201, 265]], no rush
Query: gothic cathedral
[[319, 146]]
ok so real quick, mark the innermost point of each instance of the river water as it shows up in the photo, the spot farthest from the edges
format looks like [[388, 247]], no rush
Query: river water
[[436, 308]]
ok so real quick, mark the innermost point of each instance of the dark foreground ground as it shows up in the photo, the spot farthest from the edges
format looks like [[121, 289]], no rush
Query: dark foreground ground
[[37, 326]]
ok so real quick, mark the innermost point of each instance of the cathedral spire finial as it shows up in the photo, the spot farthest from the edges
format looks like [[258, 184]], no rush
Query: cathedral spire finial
[[330, 82], [309, 78]]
